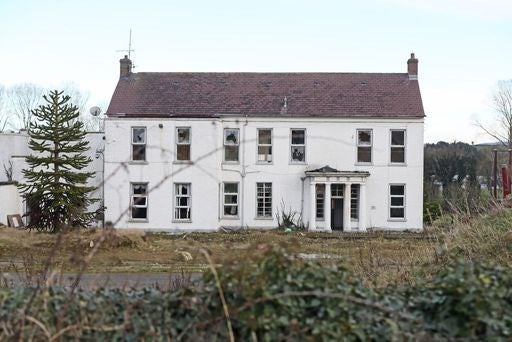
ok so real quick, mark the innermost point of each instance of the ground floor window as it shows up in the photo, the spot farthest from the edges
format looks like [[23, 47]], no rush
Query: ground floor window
[[264, 200], [182, 201], [320, 201], [396, 201], [139, 201], [230, 199], [354, 201]]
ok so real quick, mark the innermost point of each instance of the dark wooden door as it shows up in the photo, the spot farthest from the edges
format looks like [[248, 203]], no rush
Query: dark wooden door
[[337, 214]]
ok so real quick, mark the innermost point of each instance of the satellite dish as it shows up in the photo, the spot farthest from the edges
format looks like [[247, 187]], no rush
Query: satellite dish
[[95, 111]]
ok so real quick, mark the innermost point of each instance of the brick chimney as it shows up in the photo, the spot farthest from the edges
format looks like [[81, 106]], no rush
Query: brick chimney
[[126, 66], [412, 67]]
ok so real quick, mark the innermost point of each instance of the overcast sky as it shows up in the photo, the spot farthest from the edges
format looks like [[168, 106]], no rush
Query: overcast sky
[[464, 46]]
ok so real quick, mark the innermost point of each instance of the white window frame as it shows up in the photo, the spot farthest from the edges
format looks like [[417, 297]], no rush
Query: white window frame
[[237, 144], [132, 202], [177, 143], [404, 206], [224, 204], [322, 211], [391, 146], [364, 145], [258, 161], [355, 198], [292, 145], [175, 202], [265, 217], [139, 143]]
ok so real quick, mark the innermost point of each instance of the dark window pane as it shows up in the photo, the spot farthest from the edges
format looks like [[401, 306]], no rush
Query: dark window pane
[[298, 137], [230, 210], [139, 189], [265, 136], [396, 212], [231, 153], [139, 200], [397, 201], [139, 135], [397, 138], [230, 199], [231, 136], [397, 155], [364, 154], [183, 135], [184, 213], [183, 201], [183, 152], [230, 188], [397, 190], [298, 153], [139, 213], [139, 152], [265, 154], [364, 137]]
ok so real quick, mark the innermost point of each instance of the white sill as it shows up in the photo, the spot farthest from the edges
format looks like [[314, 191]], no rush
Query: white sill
[[264, 218], [397, 164], [182, 221], [183, 162], [134, 220], [363, 164], [297, 163], [264, 163], [138, 162], [397, 220], [230, 163], [233, 218]]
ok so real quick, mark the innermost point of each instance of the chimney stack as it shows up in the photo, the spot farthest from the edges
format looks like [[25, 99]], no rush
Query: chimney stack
[[412, 67], [126, 66]]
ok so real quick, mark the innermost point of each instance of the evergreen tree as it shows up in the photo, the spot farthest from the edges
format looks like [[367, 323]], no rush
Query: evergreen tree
[[56, 190]]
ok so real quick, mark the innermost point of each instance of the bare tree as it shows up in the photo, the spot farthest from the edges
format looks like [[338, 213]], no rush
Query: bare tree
[[502, 101], [4, 116], [80, 98], [23, 98]]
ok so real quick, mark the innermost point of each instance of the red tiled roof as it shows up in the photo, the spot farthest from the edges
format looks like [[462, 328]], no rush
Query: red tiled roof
[[155, 94]]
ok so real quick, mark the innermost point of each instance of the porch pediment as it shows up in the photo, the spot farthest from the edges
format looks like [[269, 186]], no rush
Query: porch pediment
[[329, 174]]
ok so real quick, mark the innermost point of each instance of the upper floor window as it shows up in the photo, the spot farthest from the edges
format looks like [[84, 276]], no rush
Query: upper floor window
[[396, 201], [230, 199], [298, 146], [398, 146], [183, 143], [264, 145], [138, 143], [264, 200], [139, 201], [182, 201], [231, 144], [364, 145]]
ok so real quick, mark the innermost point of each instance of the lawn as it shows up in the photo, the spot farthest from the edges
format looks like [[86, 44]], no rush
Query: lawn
[[378, 257]]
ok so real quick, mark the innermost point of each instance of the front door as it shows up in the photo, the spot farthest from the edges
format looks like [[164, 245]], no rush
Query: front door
[[337, 214]]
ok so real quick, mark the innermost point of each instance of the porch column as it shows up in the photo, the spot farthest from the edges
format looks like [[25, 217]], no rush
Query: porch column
[[362, 207], [312, 218], [346, 208], [327, 206]]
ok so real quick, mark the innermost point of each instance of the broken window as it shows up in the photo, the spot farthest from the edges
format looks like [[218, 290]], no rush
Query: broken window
[[320, 201], [139, 201], [397, 201], [182, 201], [264, 200], [265, 145], [231, 144], [354, 201], [298, 146], [398, 146], [230, 199], [138, 143], [364, 146], [183, 143]]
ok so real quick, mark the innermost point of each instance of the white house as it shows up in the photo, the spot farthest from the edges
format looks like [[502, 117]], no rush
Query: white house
[[201, 151]]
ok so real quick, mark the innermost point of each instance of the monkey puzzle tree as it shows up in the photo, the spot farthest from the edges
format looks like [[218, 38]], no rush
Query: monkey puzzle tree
[[56, 190]]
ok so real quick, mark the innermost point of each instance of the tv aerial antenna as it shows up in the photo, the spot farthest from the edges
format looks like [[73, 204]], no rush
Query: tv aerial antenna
[[130, 50]]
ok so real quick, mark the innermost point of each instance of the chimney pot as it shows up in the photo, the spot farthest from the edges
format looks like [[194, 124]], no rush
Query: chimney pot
[[412, 67], [125, 66]]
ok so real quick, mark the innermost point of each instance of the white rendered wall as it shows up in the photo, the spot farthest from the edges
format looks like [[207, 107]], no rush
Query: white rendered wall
[[328, 142], [10, 202]]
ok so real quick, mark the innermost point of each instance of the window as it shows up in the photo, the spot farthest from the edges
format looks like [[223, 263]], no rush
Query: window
[[397, 201], [264, 146], [364, 146], [230, 199], [264, 200], [182, 201], [138, 143], [139, 201], [182, 143], [231, 144], [398, 146], [320, 201], [298, 146], [354, 201]]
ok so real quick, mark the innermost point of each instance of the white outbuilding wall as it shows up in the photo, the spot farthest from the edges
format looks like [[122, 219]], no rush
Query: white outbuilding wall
[[328, 142]]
